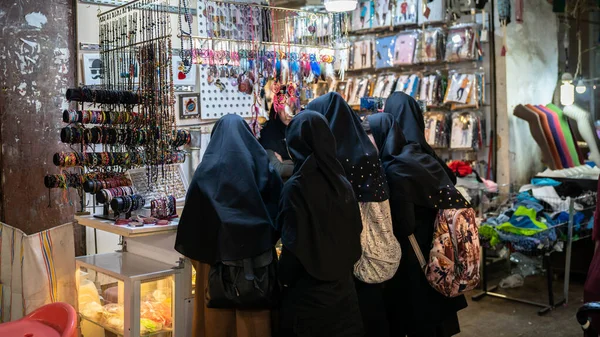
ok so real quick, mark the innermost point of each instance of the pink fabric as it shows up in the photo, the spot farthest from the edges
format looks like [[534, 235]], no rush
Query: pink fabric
[[561, 135]]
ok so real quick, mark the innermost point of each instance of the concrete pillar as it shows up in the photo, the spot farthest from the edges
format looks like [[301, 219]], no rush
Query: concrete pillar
[[37, 64]]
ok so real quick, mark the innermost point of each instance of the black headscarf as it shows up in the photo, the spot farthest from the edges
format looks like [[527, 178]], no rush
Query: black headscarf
[[272, 136], [414, 176], [232, 201], [354, 148], [407, 113], [319, 218]]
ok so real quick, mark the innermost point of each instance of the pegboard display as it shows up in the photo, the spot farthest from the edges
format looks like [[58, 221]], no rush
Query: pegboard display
[[225, 98], [172, 182]]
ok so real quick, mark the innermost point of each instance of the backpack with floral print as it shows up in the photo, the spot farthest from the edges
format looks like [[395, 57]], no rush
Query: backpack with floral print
[[453, 266]]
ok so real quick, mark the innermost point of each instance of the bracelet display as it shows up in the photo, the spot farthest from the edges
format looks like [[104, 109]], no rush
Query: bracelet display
[[85, 94], [163, 208], [101, 117], [95, 185], [105, 196], [103, 135], [126, 204], [98, 159], [183, 137], [64, 180]]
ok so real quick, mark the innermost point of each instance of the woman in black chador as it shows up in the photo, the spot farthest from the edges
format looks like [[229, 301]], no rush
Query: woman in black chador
[[320, 227], [229, 215], [414, 173], [360, 161]]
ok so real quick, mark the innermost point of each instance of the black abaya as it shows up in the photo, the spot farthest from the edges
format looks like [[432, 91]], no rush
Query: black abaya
[[414, 308], [232, 201], [320, 228]]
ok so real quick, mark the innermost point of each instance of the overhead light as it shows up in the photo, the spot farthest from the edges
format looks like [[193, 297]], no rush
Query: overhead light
[[580, 88], [567, 90], [338, 6]]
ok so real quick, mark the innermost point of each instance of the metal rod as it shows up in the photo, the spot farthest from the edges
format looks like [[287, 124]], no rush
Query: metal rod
[[569, 250], [549, 275], [118, 7]]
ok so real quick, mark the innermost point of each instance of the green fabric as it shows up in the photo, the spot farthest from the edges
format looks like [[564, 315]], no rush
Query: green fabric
[[567, 132], [531, 214], [489, 233]]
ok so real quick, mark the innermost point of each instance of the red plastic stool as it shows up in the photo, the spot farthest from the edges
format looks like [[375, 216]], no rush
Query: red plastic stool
[[52, 320]]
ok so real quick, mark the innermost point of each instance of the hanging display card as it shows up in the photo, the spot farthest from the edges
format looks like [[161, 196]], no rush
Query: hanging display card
[[437, 11], [405, 12], [404, 48], [384, 52]]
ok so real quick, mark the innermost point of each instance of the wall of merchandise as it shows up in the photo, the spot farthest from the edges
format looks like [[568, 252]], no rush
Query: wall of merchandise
[[444, 64]]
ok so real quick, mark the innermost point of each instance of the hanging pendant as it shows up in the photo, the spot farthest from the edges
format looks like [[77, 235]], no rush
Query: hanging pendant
[[181, 75]]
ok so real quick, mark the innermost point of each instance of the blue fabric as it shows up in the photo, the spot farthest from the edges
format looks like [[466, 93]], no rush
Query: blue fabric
[[526, 196], [590, 224], [545, 182], [532, 243], [530, 204]]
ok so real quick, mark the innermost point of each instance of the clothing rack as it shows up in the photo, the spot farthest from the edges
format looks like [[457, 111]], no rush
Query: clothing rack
[[552, 301]]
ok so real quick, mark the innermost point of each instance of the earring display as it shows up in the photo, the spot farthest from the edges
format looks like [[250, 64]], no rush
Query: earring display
[[172, 182], [404, 48]]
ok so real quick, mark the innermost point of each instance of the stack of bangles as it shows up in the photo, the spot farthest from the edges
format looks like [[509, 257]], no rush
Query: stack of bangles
[[183, 137], [101, 117], [64, 180], [105, 196], [102, 96], [127, 203], [103, 135], [95, 185], [163, 208], [96, 159]]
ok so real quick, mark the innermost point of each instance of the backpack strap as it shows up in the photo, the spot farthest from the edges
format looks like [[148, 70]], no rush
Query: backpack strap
[[418, 252]]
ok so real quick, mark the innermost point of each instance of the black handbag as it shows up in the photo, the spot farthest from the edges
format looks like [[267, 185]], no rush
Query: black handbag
[[244, 284]]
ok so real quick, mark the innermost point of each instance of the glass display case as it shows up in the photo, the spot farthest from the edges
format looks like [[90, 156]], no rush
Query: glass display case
[[123, 294]]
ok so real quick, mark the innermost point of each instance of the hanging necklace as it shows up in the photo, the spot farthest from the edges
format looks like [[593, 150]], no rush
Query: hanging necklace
[[186, 55]]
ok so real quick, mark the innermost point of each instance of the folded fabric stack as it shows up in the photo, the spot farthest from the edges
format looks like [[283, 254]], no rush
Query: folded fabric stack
[[525, 225]]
